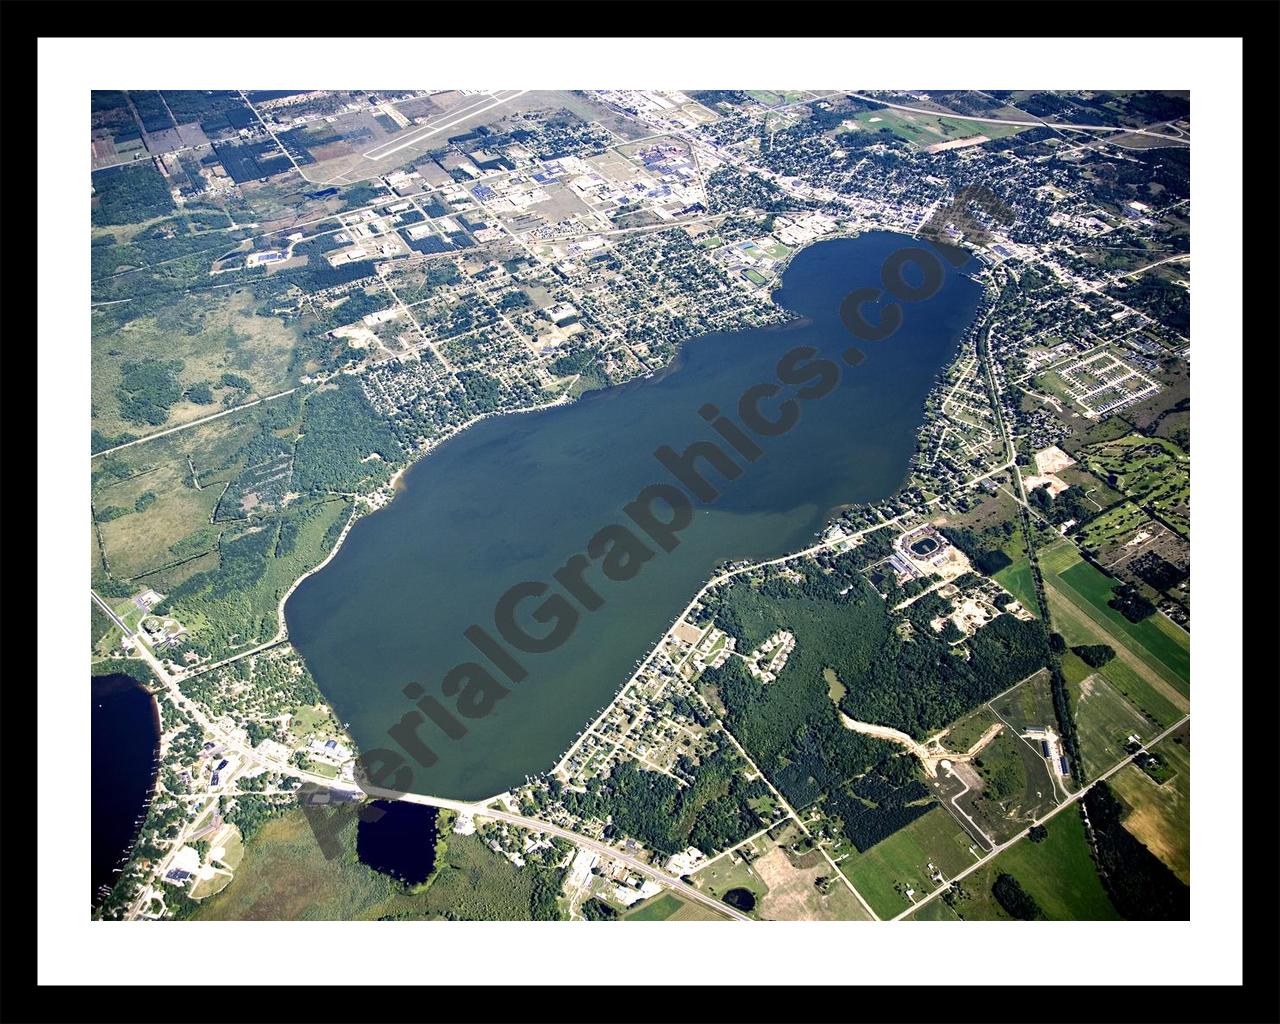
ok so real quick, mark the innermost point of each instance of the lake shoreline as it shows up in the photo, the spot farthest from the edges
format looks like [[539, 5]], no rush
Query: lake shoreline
[[411, 582], [118, 767]]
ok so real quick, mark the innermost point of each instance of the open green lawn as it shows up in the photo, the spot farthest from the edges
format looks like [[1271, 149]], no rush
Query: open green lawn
[[903, 860], [307, 720], [1016, 579], [1058, 557], [1058, 873], [656, 908]]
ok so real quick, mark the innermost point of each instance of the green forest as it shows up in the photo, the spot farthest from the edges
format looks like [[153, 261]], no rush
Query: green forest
[[711, 813], [127, 195], [339, 433]]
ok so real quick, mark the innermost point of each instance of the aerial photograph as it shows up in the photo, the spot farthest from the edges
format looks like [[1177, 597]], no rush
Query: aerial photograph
[[638, 505]]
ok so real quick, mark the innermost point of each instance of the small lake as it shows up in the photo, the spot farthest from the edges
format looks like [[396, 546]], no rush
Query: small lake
[[514, 497], [125, 745], [401, 843]]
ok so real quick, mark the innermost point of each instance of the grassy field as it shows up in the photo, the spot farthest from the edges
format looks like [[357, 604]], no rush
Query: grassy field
[[1030, 703], [211, 334], [656, 908], [1017, 580], [104, 634], [1017, 788], [1104, 720], [927, 129], [307, 720], [793, 890], [962, 734], [903, 860], [473, 884], [1160, 643], [141, 541], [1160, 813], [1140, 693], [1058, 873], [731, 872], [285, 876], [667, 906], [1155, 650]]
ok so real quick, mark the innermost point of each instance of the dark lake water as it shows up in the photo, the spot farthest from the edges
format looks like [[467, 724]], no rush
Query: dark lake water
[[511, 499], [125, 743], [401, 843]]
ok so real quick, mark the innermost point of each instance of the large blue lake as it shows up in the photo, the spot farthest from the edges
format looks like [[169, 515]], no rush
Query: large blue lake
[[513, 498]]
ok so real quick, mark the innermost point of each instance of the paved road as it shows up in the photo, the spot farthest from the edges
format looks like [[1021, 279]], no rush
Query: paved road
[[1071, 799], [114, 617], [251, 757], [192, 423]]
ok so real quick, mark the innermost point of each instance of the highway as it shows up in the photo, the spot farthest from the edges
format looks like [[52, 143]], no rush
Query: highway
[[250, 757]]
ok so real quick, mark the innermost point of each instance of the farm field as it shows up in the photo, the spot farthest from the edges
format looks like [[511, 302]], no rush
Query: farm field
[[1104, 720], [1155, 647], [902, 861], [1146, 699], [1160, 813], [793, 893], [1058, 874]]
